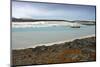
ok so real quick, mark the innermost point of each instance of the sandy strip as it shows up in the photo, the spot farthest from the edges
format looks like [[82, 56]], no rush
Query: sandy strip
[[49, 44], [42, 24]]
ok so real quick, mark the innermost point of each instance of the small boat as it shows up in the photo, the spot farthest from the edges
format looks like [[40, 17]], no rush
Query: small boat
[[75, 25]]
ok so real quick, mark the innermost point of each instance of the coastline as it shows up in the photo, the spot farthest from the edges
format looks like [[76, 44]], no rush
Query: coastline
[[43, 24], [78, 50], [60, 42]]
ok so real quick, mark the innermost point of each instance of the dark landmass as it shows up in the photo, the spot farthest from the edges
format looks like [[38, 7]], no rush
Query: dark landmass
[[86, 22], [79, 50], [31, 20]]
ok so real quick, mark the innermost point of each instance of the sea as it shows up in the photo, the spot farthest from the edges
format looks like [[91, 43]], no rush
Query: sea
[[26, 35]]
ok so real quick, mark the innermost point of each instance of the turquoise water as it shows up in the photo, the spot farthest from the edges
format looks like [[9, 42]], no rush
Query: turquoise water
[[57, 28], [28, 37]]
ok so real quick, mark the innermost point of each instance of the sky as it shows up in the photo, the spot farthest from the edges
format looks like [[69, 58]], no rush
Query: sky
[[36, 10]]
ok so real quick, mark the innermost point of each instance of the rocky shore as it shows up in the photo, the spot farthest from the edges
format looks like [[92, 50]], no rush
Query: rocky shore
[[79, 50]]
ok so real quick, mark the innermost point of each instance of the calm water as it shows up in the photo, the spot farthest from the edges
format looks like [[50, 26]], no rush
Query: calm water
[[29, 37]]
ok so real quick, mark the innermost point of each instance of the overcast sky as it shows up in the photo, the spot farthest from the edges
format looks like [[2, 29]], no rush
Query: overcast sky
[[52, 11]]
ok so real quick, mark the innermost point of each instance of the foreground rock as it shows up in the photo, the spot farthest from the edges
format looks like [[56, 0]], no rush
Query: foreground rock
[[75, 51]]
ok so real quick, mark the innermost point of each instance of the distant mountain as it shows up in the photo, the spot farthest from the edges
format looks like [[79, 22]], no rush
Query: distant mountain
[[32, 20], [22, 20]]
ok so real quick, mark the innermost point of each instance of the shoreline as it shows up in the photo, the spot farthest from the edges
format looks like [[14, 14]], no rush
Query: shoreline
[[78, 50], [60, 42], [43, 23]]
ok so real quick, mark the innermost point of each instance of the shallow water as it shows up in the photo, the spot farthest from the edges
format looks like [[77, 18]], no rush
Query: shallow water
[[29, 37]]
